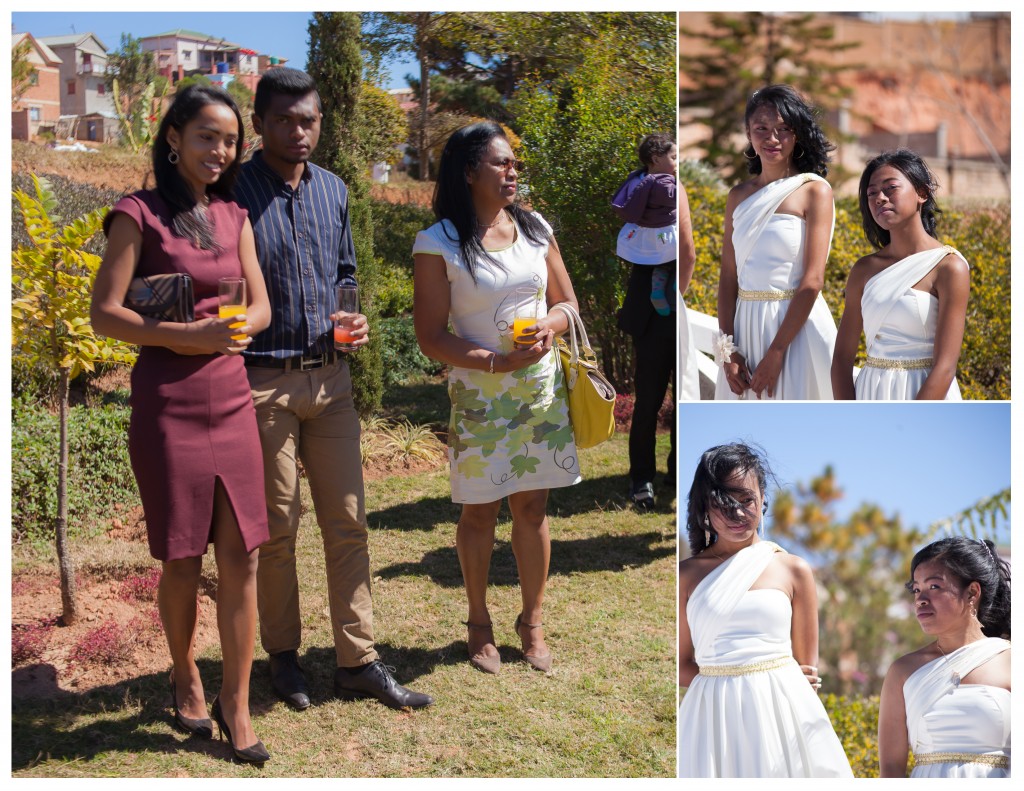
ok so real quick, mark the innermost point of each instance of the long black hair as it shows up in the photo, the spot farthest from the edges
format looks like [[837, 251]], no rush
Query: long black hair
[[462, 153], [911, 165], [975, 560], [188, 221], [811, 154], [709, 488]]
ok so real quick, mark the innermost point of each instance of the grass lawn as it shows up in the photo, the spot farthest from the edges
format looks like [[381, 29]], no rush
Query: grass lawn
[[606, 709]]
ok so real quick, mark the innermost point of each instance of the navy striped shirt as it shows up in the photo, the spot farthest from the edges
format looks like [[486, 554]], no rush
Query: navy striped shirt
[[304, 245]]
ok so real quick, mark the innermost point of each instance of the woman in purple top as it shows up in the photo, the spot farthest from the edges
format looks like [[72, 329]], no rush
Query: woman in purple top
[[193, 438]]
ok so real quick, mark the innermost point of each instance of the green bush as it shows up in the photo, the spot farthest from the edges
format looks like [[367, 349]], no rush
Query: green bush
[[394, 231], [99, 473], [983, 236], [394, 295], [855, 721], [402, 356]]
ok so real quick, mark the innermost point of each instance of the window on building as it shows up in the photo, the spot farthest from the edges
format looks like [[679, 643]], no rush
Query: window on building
[[71, 88], [34, 114], [33, 78], [186, 54], [101, 89]]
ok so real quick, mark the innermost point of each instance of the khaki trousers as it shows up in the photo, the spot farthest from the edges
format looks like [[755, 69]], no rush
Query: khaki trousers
[[309, 415]]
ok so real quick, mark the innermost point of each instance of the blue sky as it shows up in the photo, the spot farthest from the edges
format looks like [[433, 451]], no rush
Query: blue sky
[[280, 34], [924, 461]]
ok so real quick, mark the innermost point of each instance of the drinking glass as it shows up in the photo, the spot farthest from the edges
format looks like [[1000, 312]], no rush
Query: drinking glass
[[526, 313], [348, 307], [231, 301]]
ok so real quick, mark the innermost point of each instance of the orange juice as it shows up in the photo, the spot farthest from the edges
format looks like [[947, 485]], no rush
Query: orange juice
[[227, 311], [519, 324]]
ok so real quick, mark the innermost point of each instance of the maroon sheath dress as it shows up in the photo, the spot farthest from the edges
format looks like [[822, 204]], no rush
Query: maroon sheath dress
[[192, 419]]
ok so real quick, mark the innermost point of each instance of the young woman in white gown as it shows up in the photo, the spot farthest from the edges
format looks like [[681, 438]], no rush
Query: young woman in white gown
[[909, 297], [778, 230], [748, 637], [949, 702]]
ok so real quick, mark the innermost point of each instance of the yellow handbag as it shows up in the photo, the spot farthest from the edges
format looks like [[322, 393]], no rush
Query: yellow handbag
[[591, 395]]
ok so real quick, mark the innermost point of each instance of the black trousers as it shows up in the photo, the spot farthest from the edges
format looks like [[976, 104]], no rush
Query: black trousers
[[654, 344]]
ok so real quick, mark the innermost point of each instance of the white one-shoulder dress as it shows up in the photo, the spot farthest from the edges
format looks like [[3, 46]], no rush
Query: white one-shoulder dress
[[769, 251], [955, 729], [750, 711], [899, 330]]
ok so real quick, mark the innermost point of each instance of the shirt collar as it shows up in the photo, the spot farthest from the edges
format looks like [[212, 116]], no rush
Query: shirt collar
[[266, 170]]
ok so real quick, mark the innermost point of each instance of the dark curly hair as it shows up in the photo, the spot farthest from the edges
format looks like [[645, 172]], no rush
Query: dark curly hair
[[975, 560], [911, 165], [654, 145], [717, 465], [464, 151], [811, 154]]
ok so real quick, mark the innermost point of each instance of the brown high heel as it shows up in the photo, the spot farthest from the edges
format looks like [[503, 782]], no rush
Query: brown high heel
[[482, 662], [542, 663]]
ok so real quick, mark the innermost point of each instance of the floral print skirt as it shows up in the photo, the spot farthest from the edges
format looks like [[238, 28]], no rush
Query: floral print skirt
[[509, 432]]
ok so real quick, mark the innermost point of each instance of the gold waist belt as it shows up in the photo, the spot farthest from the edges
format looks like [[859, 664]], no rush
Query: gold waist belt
[[998, 761], [771, 295], [899, 365], [744, 670]]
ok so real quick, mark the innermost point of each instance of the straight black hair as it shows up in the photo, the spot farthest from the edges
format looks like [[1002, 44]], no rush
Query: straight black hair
[[716, 465], [462, 153], [282, 81], [975, 560], [811, 154], [911, 165]]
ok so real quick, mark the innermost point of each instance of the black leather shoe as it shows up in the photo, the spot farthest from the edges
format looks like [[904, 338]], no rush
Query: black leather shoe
[[376, 681], [642, 495], [288, 680]]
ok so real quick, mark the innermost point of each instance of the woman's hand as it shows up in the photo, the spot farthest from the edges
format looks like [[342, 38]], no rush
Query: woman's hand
[[736, 374], [522, 356], [767, 373], [214, 336], [811, 674]]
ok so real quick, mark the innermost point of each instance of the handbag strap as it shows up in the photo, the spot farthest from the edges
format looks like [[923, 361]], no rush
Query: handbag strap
[[575, 325]]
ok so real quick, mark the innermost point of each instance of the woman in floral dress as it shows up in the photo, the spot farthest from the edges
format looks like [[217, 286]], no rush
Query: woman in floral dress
[[509, 434]]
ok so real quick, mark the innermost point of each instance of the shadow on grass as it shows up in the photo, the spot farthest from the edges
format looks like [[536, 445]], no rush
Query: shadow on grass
[[598, 553], [591, 495], [43, 728]]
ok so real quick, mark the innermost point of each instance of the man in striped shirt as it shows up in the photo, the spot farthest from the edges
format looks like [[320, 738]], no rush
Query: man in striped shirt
[[302, 391]]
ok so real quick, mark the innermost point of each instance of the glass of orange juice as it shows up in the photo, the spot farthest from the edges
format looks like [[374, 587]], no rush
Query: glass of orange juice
[[232, 302], [348, 307], [526, 313]]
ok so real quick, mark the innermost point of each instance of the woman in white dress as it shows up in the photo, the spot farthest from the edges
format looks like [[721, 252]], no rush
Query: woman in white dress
[[687, 372], [909, 297], [748, 637], [509, 434], [778, 230], [949, 702]]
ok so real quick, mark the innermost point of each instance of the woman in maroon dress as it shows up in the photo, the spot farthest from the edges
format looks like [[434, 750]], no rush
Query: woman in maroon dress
[[193, 438]]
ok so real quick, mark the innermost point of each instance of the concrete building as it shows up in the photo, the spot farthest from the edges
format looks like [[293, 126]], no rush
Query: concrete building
[[39, 108], [86, 106]]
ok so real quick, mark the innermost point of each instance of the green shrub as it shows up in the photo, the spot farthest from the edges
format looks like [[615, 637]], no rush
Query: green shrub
[[395, 229], [402, 356], [394, 296], [983, 236], [855, 721], [99, 473]]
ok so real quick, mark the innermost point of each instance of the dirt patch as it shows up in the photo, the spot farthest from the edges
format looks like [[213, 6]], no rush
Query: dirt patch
[[117, 636]]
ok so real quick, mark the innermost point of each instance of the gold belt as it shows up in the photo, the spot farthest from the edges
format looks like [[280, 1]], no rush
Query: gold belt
[[744, 670], [998, 761], [771, 295], [899, 365]]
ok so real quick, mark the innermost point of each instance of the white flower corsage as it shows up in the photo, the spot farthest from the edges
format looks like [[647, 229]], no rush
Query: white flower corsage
[[724, 348]]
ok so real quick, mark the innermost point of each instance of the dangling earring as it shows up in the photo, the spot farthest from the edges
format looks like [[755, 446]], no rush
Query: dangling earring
[[707, 533], [173, 157], [752, 155], [796, 155], [974, 610]]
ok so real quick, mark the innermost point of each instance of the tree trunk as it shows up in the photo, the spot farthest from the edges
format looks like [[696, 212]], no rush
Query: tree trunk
[[423, 152], [67, 568]]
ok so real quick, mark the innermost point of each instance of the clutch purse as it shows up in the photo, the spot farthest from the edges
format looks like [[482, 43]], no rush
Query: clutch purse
[[591, 395], [162, 297]]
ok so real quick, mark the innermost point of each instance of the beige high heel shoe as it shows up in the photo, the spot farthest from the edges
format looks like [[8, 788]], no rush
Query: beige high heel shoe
[[542, 663], [482, 662]]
